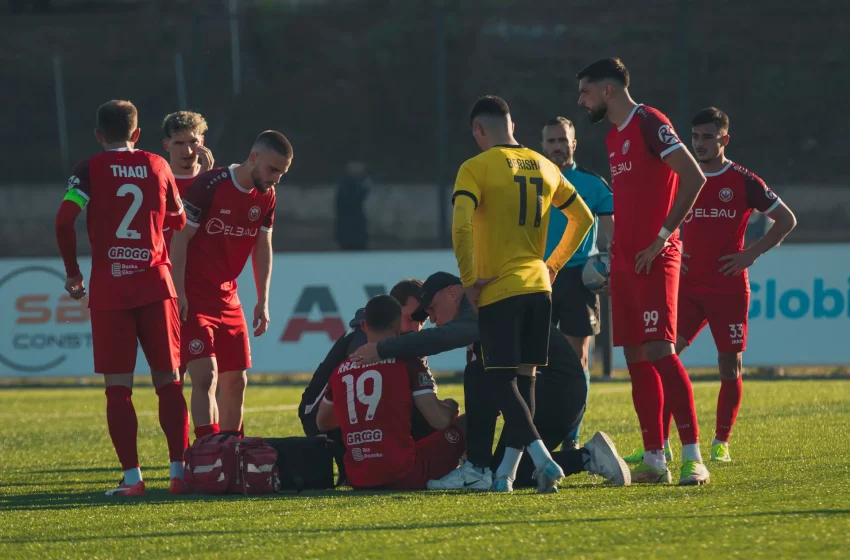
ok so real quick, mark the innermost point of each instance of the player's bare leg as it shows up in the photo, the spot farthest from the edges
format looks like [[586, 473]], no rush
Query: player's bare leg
[[730, 365], [174, 421], [679, 398], [204, 374], [123, 429], [231, 399], [581, 346]]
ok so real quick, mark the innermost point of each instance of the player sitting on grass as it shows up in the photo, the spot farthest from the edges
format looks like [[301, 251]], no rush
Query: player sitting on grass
[[372, 404]]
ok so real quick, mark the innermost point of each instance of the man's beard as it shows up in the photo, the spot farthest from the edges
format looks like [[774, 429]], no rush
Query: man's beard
[[598, 114], [258, 184], [558, 158]]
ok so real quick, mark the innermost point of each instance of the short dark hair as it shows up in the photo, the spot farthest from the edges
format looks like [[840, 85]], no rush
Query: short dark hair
[[712, 115], [606, 69], [276, 141], [382, 312], [558, 121], [117, 120], [406, 289], [489, 105]]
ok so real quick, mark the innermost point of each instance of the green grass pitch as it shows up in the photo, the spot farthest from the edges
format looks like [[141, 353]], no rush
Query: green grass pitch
[[787, 493]]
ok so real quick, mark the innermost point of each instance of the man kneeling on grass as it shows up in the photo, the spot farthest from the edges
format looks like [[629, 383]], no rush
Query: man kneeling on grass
[[372, 405]]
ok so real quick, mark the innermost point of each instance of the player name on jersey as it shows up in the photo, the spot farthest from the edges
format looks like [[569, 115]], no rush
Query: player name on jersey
[[136, 172], [524, 164]]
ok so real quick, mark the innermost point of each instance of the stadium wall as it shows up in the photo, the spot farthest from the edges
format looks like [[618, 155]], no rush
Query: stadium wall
[[800, 311]]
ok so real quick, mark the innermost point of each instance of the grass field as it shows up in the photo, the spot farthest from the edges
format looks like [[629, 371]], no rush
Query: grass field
[[787, 493]]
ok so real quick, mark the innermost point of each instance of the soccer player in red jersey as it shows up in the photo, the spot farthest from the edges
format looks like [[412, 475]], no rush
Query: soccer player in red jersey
[[230, 214], [655, 183], [183, 140], [128, 194], [715, 288], [373, 404]]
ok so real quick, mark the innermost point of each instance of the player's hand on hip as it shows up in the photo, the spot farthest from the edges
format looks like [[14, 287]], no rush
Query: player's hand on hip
[[736, 263], [205, 158], [453, 404], [643, 260], [366, 354], [552, 275], [182, 307], [261, 319], [684, 264], [76, 287], [473, 291]]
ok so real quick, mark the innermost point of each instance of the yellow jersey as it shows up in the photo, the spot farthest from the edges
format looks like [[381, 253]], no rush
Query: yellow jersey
[[503, 198]]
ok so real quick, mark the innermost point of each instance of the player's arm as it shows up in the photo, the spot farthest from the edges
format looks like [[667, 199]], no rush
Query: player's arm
[[760, 197], [691, 180], [604, 210], [465, 198], [439, 414], [262, 262], [325, 418], [177, 254], [457, 333], [76, 198], [606, 232], [175, 217], [579, 222]]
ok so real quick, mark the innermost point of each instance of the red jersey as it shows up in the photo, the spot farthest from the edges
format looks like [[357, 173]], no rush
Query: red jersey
[[373, 404], [229, 217], [183, 184], [644, 186], [127, 193], [716, 225]]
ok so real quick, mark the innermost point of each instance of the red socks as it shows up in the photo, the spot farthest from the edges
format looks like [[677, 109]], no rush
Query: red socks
[[174, 419], [648, 398], [201, 431], [728, 403], [679, 397], [123, 425]]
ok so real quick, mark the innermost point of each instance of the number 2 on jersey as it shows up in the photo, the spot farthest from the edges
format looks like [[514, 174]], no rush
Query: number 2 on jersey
[[371, 400], [124, 231], [523, 181]]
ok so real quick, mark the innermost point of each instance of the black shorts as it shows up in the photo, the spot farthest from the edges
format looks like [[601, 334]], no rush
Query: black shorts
[[575, 309], [515, 331]]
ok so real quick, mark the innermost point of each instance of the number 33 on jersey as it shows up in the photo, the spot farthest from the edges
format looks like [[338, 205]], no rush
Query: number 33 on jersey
[[127, 194]]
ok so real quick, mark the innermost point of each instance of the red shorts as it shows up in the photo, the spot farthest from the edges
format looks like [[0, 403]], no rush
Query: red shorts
[[436, 456], [725, 314], [115, 334], [219, 333], [643, 306]]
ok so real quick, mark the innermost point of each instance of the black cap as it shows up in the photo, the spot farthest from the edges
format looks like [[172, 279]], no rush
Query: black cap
[[432, 285]]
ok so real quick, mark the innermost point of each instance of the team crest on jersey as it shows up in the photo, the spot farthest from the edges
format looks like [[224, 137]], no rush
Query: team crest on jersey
[[196, 347], [725, 194], [254, 213], [452, 436], [667, 135], [73, 182], [626, 145]]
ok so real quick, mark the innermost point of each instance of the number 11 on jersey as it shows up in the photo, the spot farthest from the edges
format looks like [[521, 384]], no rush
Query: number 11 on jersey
[[523, 181]]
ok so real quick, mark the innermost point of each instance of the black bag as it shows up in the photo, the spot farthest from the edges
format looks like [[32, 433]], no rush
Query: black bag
[[305, 463]]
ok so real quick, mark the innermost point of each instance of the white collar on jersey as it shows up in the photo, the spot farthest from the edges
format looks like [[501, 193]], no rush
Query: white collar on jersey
[[232, 169], [628, 120], [721, 172], [124, 149], [185, 176]]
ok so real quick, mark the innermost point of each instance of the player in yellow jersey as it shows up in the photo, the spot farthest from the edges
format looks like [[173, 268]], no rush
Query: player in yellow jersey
[[502, 202]]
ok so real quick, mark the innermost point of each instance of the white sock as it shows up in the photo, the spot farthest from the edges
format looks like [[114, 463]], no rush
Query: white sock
[[539, 454], [655, 459], [177, 469], [509, 464], [133, 476], [715, 442], [691, 452]]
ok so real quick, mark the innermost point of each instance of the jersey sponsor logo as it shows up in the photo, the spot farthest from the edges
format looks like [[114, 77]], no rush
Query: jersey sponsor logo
[[224, 211], [356, 454], [129, 254], [216, 226], [725, 194], [196, 347], [73, 183], [612, 154], [620, 168], [710, 213], [365, 436], [135, 171], [626, 146], [254, 213], [40, 327], [452, 436], [667, 135]]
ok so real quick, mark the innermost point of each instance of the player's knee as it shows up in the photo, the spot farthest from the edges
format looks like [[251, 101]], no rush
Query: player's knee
[[634, 354], [161, 378], [233, 382], [730, 364], [658, 349]]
